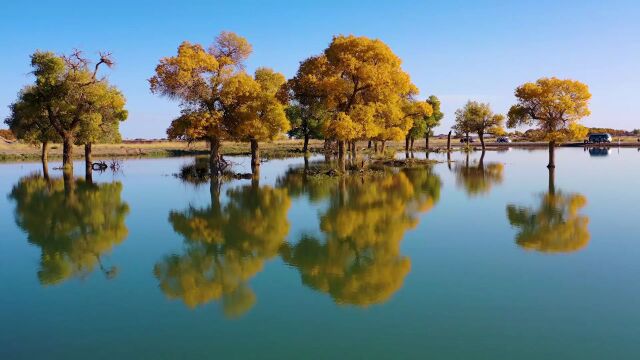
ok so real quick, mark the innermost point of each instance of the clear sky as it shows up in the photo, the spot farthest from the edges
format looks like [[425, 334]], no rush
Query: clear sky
[[457, 50]]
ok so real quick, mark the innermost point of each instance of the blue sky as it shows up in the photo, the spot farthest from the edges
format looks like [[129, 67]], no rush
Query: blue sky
[[457, 50]]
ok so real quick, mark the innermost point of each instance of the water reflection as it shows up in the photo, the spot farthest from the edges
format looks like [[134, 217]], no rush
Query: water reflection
[[358, 260], [73, 222], [226, 246], [556, 226], [599, 151], [478, 179]]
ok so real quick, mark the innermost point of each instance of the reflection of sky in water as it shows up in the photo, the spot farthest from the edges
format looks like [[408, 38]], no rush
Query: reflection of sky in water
[[471, 290]]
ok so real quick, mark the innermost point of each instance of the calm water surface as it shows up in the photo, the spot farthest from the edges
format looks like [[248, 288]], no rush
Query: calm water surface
[[482, 258]]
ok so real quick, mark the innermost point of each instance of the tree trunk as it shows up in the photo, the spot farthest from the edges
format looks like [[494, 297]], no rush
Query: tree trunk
[[45, 160], [255, 156], [449, 141], [375, 144], [369, 145], [67, 151], [214, 156], [426, 142], [552, 181], [382, 146], [354, 150], [88, 162], [67, 176], [305, 147], [340, 149], [481, 162], [411, 145], [481, 136], [552, 154], [406, 144]]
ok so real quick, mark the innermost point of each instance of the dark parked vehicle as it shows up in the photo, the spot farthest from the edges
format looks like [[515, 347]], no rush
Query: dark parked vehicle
[[600, 138], [503, 139]]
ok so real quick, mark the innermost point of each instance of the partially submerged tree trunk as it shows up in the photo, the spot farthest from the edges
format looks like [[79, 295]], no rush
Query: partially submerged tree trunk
[[449, 141], [214, 156], [552, 181], [45, 160], [481, 136], [67, 151], [552, 154], [426, 141], [255, 156], [305, 146], [88, 163]]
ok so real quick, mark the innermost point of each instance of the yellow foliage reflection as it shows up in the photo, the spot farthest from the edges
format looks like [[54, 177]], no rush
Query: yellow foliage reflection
[[225, 247], [359, 261], [74, 224], [478, 180], [556, 226]]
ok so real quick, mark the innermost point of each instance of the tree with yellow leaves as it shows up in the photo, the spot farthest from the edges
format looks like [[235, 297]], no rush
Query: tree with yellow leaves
[[226, 246], [554, 106], [260, 116], [361, 83], [74, 226], [209, 85], [556, 226]]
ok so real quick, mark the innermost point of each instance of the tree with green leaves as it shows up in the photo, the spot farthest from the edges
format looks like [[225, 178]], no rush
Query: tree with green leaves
[[478, 118], [28, 121], [74, 96], [424, 126], [306, 112]]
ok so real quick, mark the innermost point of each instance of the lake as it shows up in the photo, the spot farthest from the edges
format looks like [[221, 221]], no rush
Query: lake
[[471, 259]]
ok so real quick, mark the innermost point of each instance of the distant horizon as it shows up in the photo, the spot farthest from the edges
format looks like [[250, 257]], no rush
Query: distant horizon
[[457, 51]]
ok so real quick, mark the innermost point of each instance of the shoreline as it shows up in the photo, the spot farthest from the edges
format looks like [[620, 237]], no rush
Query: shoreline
[[19, 152]]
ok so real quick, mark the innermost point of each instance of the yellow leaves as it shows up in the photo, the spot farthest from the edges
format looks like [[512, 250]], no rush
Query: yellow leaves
[[556, 226], [226, 247], [343, 127], [551, 103], [359, 261]]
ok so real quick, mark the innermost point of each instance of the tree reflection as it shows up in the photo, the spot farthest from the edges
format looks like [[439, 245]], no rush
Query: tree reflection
[[225, 247], [556, 226], [73, 222], [478, 180], [359, 262]]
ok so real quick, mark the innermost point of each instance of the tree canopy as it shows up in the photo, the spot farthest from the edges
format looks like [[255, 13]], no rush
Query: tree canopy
[[475, 117], [68, 102], [552, 105]]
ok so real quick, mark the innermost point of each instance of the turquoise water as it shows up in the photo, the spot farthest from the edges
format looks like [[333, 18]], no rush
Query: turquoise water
[[483, 260]]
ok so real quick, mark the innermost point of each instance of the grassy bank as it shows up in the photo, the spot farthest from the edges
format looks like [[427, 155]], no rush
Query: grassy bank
[[16, 151]]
